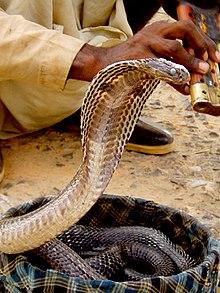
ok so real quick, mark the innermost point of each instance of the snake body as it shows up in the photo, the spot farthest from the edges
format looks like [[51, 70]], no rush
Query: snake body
[[111, 108], [116, 253]]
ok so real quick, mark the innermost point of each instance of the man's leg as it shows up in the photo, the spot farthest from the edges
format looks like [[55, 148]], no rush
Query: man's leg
[[139, 12], [36, 107], [148, 138]]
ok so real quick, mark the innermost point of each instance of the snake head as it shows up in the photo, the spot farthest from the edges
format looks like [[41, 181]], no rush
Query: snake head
[[167, 71]]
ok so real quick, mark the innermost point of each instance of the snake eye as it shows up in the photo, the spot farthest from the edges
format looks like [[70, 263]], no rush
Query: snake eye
[[173, 71]]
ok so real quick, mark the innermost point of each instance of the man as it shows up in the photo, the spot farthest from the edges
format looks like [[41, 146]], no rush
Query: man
[[50, 50]]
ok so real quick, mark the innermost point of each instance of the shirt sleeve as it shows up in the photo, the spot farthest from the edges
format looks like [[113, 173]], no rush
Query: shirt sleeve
[[29, 51]]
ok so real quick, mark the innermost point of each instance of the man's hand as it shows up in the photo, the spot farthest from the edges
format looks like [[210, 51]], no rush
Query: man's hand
[[160, 39]]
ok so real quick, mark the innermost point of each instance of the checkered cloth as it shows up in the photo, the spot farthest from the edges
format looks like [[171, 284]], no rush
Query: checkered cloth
[[19, 275]]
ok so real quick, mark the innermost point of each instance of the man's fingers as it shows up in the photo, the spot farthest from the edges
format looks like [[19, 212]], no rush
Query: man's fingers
[[187, 31], [175, 50], [212, 50]]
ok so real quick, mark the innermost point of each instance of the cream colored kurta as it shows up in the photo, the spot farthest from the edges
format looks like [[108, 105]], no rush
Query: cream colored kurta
[[38, 42]]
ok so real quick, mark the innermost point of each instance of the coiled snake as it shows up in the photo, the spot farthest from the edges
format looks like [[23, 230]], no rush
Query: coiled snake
[[111, 108]]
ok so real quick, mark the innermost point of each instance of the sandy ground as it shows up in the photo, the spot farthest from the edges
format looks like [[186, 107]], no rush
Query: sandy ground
[[188, 178]]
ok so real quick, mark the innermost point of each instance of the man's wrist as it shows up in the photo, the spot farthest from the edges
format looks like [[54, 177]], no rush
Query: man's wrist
[[87, 63]]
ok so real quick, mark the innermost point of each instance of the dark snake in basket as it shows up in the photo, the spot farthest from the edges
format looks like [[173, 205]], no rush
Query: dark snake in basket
[[111, 108], [116, 253]]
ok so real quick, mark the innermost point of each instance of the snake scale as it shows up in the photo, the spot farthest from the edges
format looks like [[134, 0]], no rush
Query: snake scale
[[110, 110]]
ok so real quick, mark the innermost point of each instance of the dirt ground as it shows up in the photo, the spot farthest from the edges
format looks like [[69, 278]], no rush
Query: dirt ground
[[188, 178]]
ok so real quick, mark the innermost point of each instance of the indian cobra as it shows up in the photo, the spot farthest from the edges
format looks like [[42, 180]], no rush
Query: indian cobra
[[110, 110]]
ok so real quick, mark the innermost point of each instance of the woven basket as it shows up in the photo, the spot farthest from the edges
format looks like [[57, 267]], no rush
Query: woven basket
[[19, 275]]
